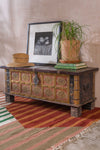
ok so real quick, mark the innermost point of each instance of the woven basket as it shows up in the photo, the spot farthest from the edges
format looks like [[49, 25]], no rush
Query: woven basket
[[20, 60]]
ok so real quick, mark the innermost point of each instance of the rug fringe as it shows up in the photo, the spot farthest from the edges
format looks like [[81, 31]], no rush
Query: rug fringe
[[76, 137]]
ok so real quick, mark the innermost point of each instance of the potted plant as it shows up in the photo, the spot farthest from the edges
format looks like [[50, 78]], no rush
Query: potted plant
[[71, 41]]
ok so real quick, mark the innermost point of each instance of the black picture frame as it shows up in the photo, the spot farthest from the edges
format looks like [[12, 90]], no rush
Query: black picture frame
[[43, 42]]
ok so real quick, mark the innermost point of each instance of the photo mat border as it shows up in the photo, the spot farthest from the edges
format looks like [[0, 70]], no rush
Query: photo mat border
[[43, 60]]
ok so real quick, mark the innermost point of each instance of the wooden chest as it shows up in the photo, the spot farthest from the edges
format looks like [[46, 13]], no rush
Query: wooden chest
[[73, 88]]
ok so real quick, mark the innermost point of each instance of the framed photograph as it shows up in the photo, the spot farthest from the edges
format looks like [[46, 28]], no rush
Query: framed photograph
[[43, 42]]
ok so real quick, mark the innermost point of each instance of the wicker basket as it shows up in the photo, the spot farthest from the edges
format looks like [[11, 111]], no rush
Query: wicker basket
[[20, 60]]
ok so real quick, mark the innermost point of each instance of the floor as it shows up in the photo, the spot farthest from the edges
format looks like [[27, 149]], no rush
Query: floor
[[88, 141]]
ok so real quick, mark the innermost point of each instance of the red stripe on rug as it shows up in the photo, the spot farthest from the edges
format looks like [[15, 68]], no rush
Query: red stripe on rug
[[15, 136], [35, 116], [23, 108], [44, 123], [32, 113], [9, 130], [3, 126], [29, 139], [84, 120], [65, 139]]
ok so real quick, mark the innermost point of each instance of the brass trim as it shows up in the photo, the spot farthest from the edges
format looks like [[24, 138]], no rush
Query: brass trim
[[76, 97]]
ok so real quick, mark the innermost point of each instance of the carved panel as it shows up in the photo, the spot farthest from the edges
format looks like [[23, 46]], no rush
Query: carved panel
[[86, 85], [25, 77], [62, 81], [48, 80], [25, 89], [15, 87], [37, 91], [49, 93], [15, 76], [62, 95]]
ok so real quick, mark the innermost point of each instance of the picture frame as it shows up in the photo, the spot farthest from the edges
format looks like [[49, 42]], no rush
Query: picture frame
[[43, 42]]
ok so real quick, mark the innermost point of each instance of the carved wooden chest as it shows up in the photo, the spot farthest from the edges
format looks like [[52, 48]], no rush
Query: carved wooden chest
[[73, 88]]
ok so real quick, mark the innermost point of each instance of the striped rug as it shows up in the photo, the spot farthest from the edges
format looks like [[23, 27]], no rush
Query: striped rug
[[5, 115], [15, 137], [2, 100], [31, 113], [48, 132]]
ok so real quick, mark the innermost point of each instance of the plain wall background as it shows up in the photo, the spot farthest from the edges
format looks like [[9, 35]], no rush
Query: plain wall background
[[16, 14]]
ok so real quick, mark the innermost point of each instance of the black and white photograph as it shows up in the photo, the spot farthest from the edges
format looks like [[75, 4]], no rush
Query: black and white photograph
[[42, 43]]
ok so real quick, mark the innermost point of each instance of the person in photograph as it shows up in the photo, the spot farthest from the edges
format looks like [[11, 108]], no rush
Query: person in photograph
[[43, 46]]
